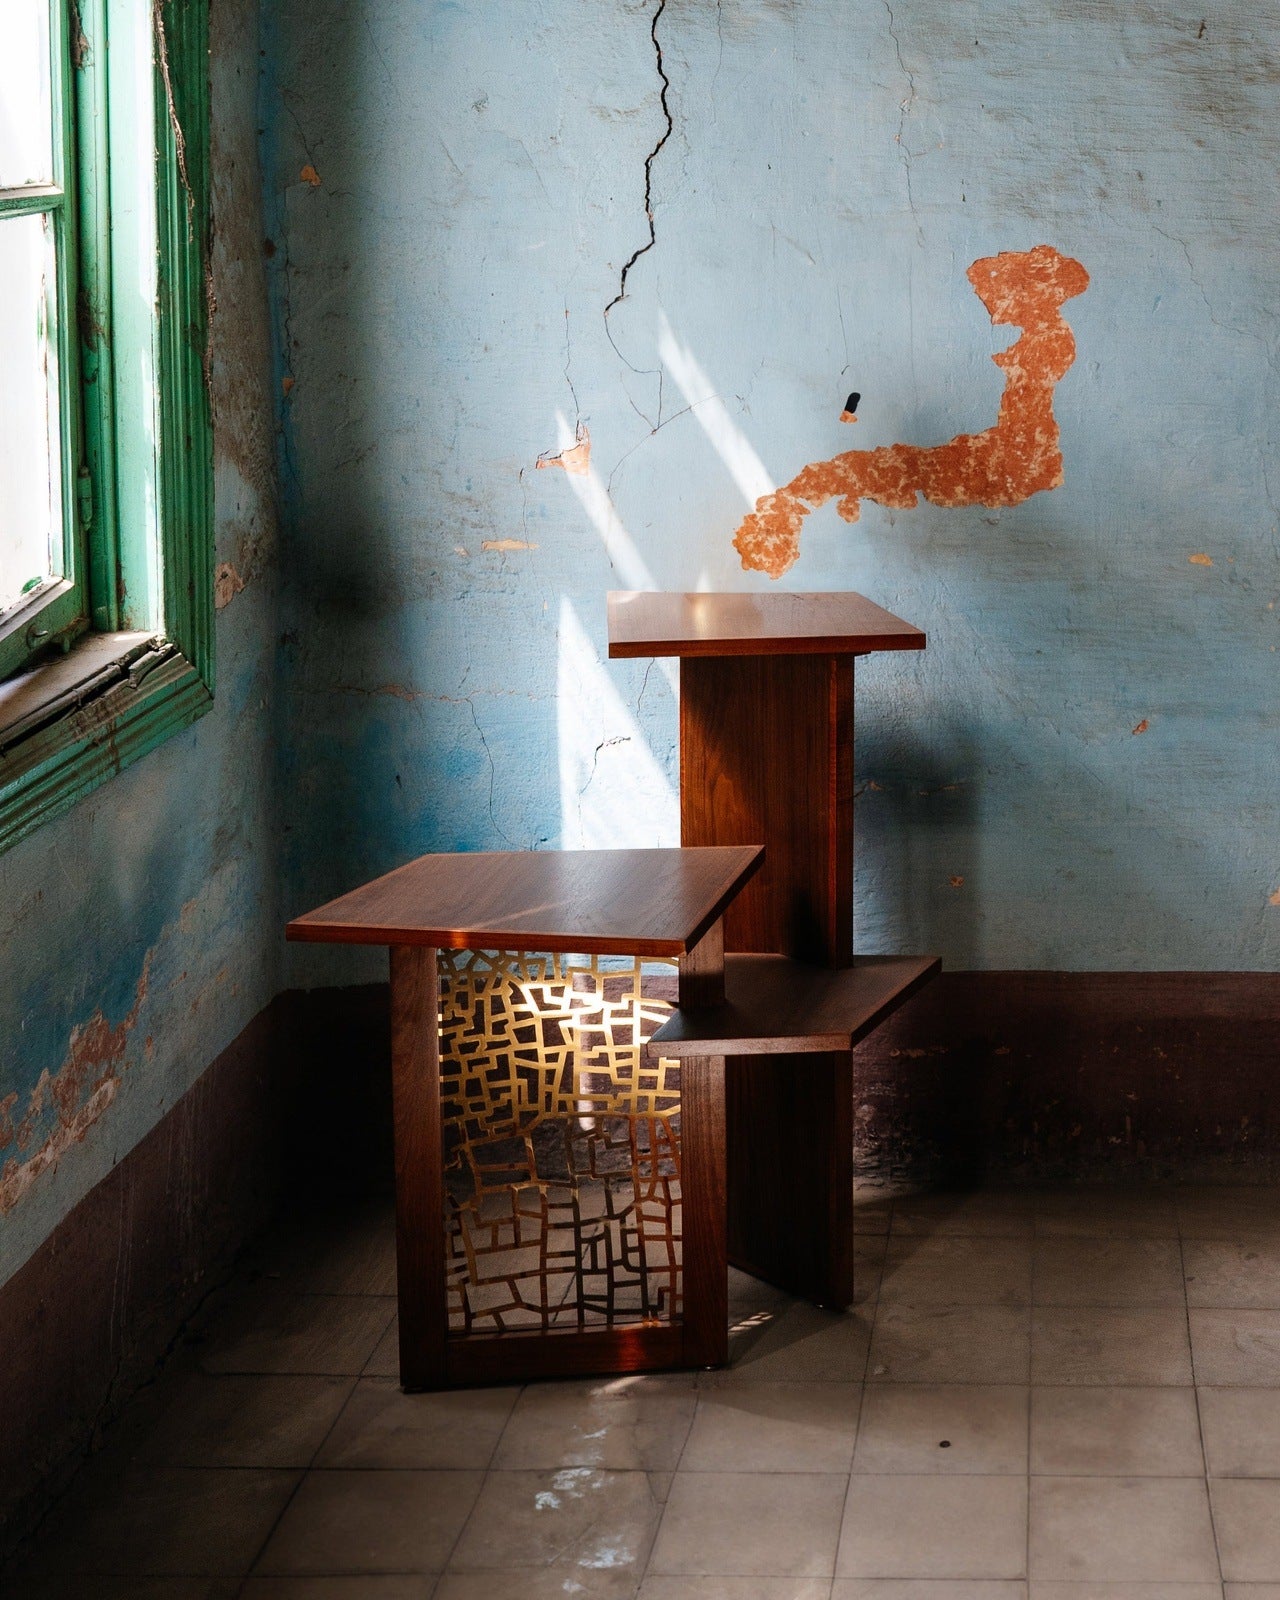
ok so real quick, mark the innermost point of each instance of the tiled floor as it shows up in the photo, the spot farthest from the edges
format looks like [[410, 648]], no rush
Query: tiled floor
[[1071, 1395]]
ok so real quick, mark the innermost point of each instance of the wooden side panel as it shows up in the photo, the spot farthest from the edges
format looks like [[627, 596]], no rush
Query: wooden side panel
[[766, 757], [790, 1172], [703, 1211], [420, 1240], [515, 1357]]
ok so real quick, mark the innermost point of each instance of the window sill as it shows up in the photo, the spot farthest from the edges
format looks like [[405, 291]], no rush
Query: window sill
[[71, 723]]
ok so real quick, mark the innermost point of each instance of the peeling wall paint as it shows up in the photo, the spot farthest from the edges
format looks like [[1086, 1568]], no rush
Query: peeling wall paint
[[72, 1098], [776, 205], [1002, 466], [138, 933]]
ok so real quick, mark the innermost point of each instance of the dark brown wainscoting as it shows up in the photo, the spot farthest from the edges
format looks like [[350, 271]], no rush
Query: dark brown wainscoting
[[1081, 1076], [88, 1318]]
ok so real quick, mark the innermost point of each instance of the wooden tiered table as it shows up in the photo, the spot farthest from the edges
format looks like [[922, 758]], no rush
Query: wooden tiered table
[[647, 903], [766, 756]]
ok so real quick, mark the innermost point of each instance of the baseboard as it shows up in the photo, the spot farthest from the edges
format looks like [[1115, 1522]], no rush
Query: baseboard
[[1080, 1076]]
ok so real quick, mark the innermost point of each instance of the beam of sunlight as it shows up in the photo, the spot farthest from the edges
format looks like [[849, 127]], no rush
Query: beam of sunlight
[[727, 438], [633, 572], [613, 793], [618, 544]]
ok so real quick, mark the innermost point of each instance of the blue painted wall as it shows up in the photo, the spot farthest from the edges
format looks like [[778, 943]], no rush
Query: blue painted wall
[[477, 184], [139, 933]]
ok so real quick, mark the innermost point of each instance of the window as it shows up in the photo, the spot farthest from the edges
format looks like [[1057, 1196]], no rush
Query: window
[[106, 602]]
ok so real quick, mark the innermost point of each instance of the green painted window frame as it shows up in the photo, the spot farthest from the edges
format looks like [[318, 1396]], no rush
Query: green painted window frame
[[146, 669]]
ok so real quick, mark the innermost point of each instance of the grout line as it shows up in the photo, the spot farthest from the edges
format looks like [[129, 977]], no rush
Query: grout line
[[1195, 1390]]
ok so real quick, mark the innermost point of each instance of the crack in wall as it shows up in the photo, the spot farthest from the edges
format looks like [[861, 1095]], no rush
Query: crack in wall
[[904, 109], [649, 243], [498, 828]]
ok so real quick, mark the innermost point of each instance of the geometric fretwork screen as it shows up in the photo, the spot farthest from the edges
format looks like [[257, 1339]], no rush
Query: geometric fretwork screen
[[562, 1149]]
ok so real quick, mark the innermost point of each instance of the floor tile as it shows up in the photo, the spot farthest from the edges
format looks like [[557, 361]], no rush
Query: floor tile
[[228, 1420], [387, 1586], [381, 1427], [1246, 1513], [358, 1258], [871, 1213], [798, 1344], [385, 1359], [1239, 1212], [942, 1428], [774, 1427], [1107, 1272], [956, 1271], [984, 1214], [1222, 1274], [282, 1332], [1048, 1589], [934, 1527], [1109, 1345], [371, 1521], [1115, 1432], [1236, 1347], [72, 1586], [687, 1588], [625, 1424], [1106, 1212], [949, 1344], [576, 1519], [1251, 1591], [784, 1524], [1121, 1529], [164, 1521], [1241, 1430], [550, 1583], [928, 1589]]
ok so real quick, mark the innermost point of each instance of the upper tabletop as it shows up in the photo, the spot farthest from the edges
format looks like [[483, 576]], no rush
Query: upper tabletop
[[605, 902], [642, 623]]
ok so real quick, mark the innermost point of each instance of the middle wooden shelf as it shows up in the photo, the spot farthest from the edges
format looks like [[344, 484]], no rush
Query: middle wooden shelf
[[776, 1006]]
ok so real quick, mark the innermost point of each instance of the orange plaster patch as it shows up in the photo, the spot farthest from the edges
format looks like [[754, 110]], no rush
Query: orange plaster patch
[[80, 1091], [576, 459], [1002, 466], [1142, 726], [506, 544], [1274, 900], [310, 175], [227, 584], [1200, 559]]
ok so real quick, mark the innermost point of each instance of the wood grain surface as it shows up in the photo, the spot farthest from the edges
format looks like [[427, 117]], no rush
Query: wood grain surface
[[642, 623], [610, 902], [420, 1239], [766, 755], [775, 1006]]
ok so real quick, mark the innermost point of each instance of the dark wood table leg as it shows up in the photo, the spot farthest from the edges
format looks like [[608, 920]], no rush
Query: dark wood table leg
[[420, 1220], [790, 1173], [704, 1261], [766, 757]]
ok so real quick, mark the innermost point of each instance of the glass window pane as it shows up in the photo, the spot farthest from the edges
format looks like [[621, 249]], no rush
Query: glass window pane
[[30, 429], [26, 121]]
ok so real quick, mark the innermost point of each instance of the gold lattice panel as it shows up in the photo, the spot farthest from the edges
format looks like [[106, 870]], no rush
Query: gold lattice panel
[[562, 1147]]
